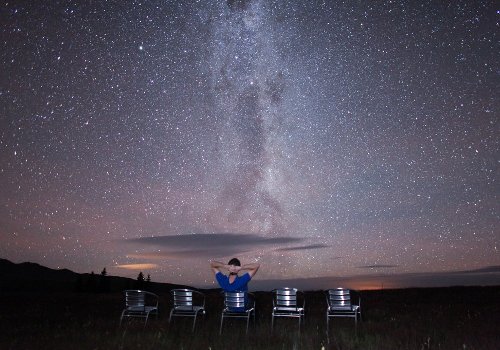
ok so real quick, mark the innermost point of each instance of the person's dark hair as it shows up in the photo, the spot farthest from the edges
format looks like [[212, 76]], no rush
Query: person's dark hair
[[234, 262]]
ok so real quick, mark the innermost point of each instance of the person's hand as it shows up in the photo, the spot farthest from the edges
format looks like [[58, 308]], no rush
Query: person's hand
[[234, 268]]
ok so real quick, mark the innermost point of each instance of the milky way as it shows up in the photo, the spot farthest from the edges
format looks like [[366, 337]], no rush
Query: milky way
[[336, 142]]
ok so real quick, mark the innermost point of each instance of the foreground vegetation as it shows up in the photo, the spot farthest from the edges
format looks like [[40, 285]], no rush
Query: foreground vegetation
[[441, 318]]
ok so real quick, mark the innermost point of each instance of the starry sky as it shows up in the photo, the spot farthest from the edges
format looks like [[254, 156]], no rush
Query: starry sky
[[350, 143]]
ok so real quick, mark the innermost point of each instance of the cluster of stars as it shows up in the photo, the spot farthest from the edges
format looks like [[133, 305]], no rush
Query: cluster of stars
[[345, 139]]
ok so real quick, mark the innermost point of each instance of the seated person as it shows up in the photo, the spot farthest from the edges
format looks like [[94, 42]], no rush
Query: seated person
[[233, 282]]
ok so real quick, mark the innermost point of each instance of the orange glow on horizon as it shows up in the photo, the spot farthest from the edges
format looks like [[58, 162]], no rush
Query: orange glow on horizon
[[137, 266]]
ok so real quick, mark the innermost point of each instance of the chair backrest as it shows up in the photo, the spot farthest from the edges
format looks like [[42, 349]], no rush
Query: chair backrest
[[235, 300], [339, 298], [135, 298], [182, 297], [285, 297]]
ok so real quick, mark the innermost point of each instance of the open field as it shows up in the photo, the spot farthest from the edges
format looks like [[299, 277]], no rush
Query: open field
[[442, 318]]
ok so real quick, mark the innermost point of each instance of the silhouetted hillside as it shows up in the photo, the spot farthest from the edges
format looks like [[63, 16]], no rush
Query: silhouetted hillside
[[31, 271], [31, 277]]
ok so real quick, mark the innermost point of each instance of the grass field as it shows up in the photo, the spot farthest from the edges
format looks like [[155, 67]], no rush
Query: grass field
[[440, 318]]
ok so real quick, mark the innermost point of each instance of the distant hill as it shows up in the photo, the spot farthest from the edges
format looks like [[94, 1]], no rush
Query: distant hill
[[31, 271], [30, 277]]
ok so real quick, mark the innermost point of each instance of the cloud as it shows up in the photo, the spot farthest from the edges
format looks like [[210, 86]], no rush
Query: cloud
[[486, 269], [137, 266], [305, 247], [376, 266], [181, 254], [208, 245]]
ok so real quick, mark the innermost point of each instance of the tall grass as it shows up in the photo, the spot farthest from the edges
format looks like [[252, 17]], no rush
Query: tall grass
[[448, 318]]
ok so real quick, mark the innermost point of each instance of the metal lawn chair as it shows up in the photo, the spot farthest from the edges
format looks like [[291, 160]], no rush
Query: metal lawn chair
[[187, 303], [340, 305], [288, 302], [238, 305], [139, 303]]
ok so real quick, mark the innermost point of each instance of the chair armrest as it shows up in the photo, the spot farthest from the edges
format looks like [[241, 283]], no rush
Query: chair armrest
[[251, 299], [201, 296], [154, 296], [303, 296]]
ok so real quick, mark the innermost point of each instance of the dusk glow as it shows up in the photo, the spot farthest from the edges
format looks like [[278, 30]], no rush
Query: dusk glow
[[335, 142]]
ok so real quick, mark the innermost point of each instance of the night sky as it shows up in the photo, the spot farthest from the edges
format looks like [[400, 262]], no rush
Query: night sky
[[349, 143]]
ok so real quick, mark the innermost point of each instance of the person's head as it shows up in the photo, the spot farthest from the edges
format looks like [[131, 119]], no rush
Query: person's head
[[234, 262]]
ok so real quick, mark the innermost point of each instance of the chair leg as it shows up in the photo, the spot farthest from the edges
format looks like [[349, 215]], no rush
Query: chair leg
[[356, 324], [221, 321], [194, 322], [121, 317], [272, 323], [327, 328]]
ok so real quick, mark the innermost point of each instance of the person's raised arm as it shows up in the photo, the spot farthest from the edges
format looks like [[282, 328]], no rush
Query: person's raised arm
[[251, 268], [217, 265]]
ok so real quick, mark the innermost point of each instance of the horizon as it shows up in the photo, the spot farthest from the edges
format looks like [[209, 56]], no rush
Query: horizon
[[479, 278], [330, 142]]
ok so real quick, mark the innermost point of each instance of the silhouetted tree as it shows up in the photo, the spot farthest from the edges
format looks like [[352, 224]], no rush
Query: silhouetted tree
[[140, 277], [103, 282], [140, 280]]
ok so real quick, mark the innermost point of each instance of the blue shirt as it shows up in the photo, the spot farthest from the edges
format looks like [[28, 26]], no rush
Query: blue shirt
[[240, 283]]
